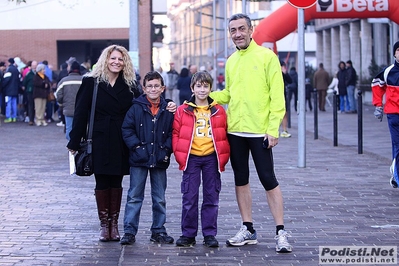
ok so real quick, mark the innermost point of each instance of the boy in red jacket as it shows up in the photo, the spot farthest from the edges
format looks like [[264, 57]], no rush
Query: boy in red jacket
[[200, 144]]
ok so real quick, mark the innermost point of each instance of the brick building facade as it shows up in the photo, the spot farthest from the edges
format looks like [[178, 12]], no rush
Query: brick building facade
[[57, 45]]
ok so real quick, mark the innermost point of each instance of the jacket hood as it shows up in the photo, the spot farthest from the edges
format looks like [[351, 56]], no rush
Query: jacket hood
[[191, 102], [142, 99]]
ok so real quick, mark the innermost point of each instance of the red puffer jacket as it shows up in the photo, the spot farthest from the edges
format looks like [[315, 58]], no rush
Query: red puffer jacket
[[183, 130]]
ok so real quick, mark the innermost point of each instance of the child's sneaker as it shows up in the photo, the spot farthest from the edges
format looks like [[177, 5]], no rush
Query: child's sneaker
[[184, 241], [242, 238], [282, 245], [211, 242]]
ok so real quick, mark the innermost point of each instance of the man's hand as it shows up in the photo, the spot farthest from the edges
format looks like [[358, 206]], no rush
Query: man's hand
[[379, 112], [171, 107], [272, 141]]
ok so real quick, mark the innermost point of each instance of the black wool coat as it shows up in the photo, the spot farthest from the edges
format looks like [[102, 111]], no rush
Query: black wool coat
[[39, 87], [110, 154]]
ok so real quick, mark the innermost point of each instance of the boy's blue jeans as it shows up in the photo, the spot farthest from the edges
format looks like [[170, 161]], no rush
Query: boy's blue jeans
[[135, 197]]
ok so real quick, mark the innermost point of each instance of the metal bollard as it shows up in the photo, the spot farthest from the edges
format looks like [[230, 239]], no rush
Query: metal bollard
[[360, 122], [335, 120], [315, 123]]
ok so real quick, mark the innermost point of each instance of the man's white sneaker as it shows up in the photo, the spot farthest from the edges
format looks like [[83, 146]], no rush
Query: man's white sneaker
[[60, 124], [285, 134], [392, 181], [242, 238], [282, 245]]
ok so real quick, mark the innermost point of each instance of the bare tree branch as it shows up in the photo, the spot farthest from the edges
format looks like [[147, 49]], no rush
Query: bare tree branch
[[18, 1]]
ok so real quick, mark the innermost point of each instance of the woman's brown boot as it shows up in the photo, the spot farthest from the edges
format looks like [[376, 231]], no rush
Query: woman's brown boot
[[114, 209], [102, 198]]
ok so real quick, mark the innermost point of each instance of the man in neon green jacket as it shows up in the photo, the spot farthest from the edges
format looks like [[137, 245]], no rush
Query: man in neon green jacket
[[256, 106]]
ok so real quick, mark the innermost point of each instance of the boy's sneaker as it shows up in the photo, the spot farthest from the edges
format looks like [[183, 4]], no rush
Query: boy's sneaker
[[8, 120], [211, 242], [285, 134], [282, 245], [128, 239], [185, 241], [60, 124], [162, 238], [242, 238]]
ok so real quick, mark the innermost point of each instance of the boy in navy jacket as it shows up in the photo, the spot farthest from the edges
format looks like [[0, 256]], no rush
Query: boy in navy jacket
[[147, 132]]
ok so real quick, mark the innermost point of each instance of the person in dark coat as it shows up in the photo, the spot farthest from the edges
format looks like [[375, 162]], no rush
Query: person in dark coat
[[183, 85], [28, 85], [63, 72], [41, 89], [308, 93], [116, 89], [342, 92], [2, 97], [287, 80], [293, 87], [11, 84], [351, 80], [321, 80], [66, 92]]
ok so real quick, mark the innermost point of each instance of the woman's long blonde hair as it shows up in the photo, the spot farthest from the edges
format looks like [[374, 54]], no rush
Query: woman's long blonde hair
[[101, 72]]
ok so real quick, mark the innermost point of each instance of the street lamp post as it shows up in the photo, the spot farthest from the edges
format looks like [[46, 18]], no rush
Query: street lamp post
[[133, 34]]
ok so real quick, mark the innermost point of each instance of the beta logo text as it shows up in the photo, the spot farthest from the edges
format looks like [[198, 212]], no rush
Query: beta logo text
[[352, 5]]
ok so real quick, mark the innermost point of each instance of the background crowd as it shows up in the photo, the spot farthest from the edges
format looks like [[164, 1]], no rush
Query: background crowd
[[21, 100], [28, 91]]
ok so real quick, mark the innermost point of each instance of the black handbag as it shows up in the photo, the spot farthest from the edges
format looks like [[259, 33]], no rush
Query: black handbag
[[83, 157]]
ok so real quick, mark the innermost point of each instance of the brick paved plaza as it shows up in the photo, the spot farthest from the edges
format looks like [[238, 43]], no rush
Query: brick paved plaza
[[48, 217]]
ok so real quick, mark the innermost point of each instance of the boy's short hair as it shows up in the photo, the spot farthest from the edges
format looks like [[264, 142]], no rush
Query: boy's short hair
[[202, 77], [153, 75]]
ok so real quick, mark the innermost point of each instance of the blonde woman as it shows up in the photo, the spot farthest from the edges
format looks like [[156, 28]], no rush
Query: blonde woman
[[115, 75], [117, 88]]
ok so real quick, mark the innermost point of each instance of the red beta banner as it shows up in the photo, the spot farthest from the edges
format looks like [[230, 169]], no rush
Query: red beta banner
[[276, 26]]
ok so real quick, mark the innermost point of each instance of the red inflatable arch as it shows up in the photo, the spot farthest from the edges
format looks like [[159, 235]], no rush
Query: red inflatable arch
[[285, 19]]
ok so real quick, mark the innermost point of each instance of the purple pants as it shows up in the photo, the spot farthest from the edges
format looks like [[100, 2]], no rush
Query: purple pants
[[211, 185]]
